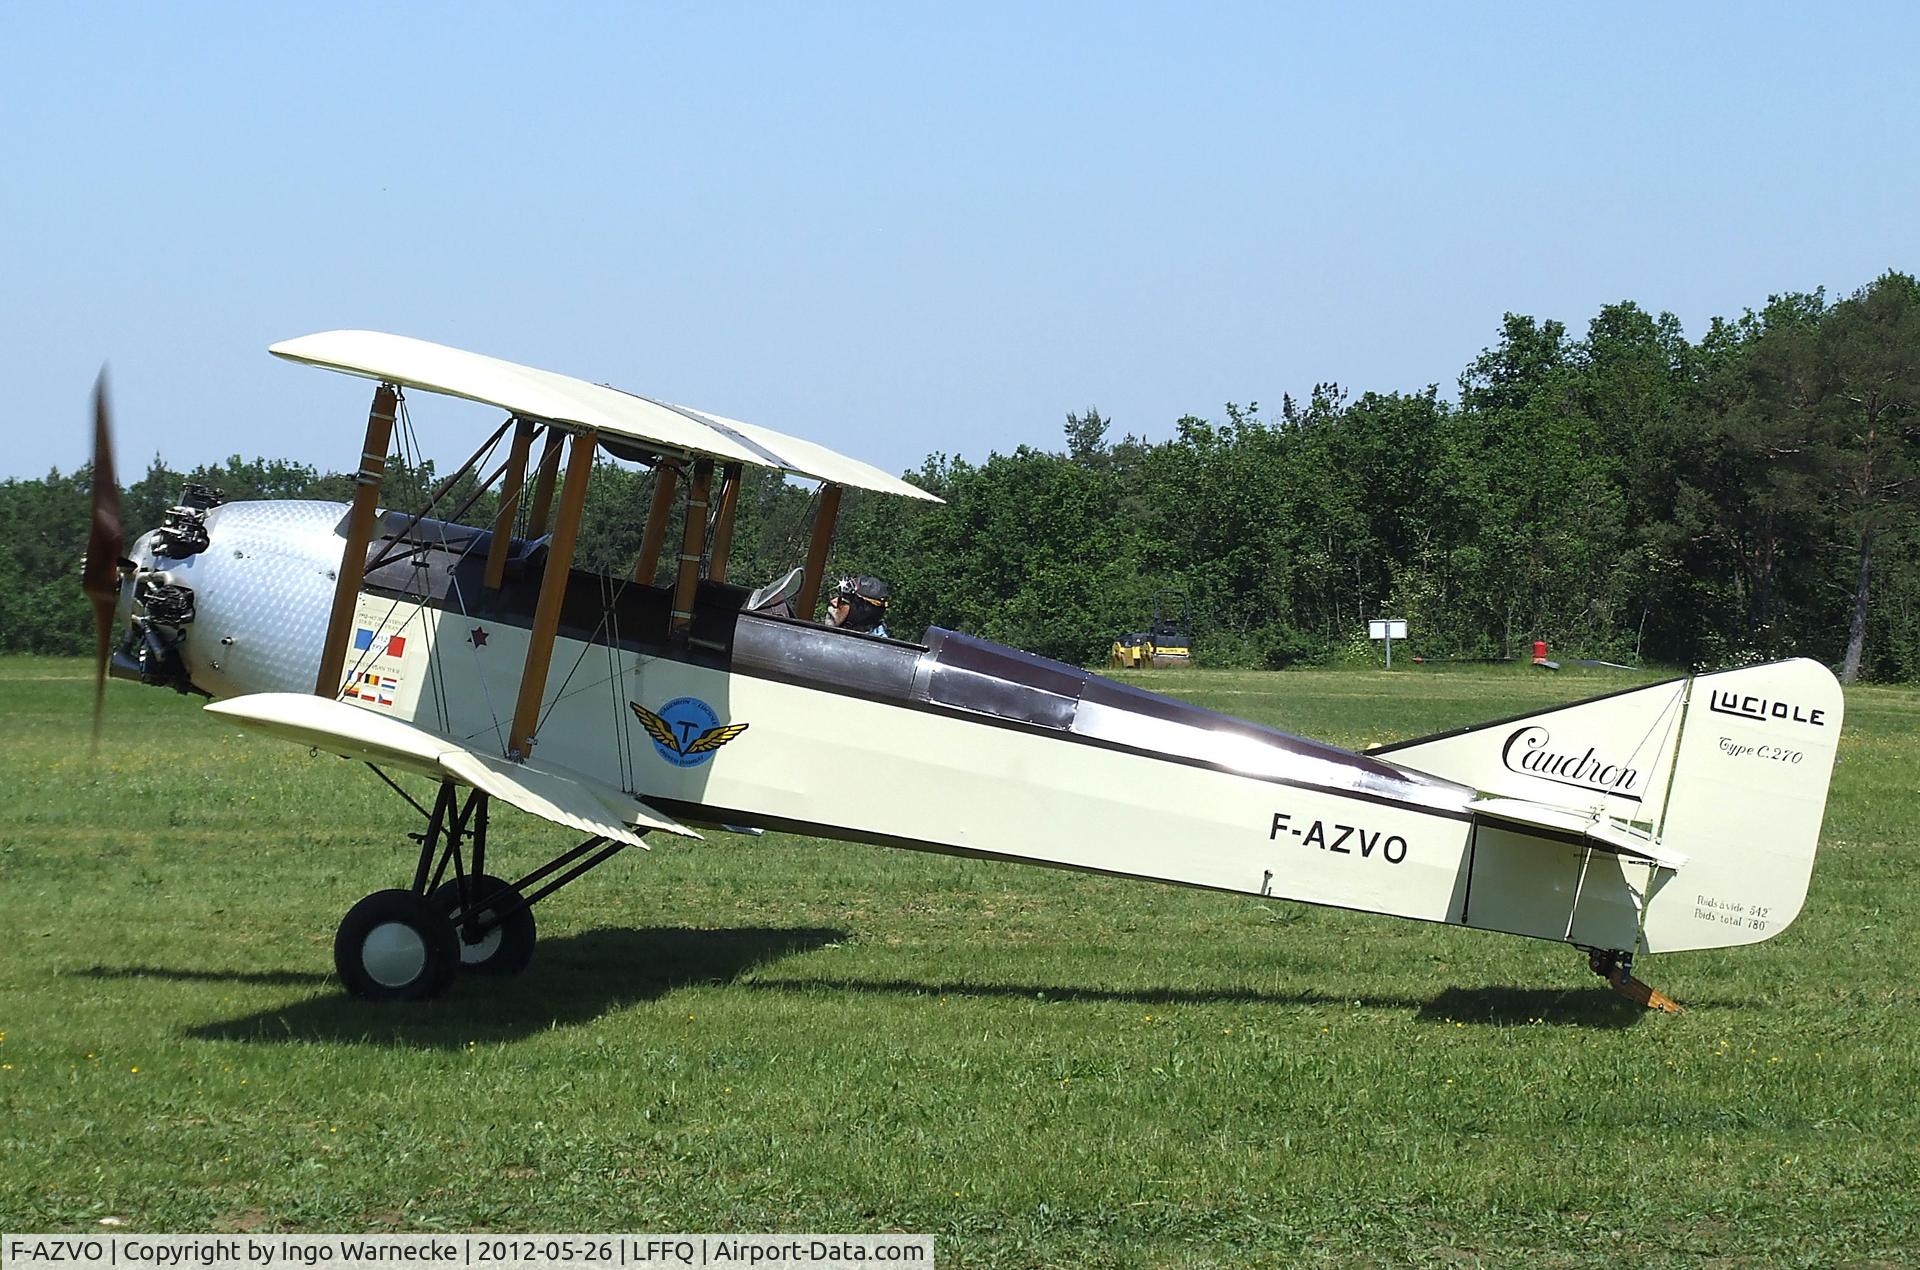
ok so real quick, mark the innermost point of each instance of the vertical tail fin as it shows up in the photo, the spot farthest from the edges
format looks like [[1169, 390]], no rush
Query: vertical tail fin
[[1611, 754], [1729, 770]]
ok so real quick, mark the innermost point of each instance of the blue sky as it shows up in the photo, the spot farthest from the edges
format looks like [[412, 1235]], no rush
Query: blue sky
[[900, 228]]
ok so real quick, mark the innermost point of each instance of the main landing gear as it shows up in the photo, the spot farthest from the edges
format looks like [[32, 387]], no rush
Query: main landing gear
[[408, 944]]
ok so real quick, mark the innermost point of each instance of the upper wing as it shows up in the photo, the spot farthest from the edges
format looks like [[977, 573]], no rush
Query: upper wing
[[543, 394]]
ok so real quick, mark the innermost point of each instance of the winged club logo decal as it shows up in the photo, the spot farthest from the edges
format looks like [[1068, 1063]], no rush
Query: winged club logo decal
[[686, 731]]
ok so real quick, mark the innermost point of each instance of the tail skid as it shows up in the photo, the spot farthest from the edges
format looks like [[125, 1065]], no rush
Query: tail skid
[[1617, 970]]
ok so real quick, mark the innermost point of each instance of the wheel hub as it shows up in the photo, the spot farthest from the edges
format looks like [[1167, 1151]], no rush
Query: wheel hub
[[394, 954]]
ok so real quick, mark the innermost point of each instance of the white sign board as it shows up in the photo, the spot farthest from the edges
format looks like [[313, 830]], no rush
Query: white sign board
[[1391, 628]]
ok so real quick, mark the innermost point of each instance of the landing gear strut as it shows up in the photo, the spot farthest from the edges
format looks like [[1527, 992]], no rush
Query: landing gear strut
[[1617, 969], [406, 945]]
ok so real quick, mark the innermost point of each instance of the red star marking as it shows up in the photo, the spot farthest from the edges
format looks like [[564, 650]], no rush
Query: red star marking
[[478, 635]]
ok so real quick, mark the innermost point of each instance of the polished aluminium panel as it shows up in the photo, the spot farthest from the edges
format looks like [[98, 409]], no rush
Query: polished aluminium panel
[[262, 590]]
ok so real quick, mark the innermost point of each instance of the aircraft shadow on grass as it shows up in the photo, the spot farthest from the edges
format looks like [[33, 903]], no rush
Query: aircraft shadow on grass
[[1588, 1006], [574, 978], [577, 978], [1594, 1007]]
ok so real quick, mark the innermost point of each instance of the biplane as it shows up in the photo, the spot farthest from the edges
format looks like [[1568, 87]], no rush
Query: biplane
[[1682, 815]]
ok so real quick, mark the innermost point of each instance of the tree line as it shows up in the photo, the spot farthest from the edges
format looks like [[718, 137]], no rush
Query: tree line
[[1624, 494]]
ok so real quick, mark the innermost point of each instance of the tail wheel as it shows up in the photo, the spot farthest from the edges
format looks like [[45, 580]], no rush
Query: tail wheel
[[506, 947], [396, 946]]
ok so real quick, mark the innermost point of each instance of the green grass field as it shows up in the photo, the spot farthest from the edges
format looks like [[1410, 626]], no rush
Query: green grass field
[[1038, 1067]]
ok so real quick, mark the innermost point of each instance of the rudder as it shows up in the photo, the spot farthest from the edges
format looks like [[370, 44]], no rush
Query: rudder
[[1748, 796]]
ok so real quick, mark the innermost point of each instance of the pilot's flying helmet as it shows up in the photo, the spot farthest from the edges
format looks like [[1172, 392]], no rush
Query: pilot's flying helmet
[[866, 598]]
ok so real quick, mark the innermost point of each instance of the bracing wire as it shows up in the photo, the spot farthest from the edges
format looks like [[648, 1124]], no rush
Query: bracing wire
[[459, 598], [354, 672], [605, 617], [436, 670], [611, 593], [622, 749]]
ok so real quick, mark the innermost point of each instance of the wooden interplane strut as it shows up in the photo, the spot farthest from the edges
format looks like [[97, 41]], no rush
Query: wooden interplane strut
[[553, 590], [361, 518], [543, 483], [666, 474], [510, 484], [808, 599], [723, 524], [692, 538]]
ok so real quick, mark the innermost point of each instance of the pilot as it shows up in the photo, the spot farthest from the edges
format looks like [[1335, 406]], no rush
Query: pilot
[[860, 604]]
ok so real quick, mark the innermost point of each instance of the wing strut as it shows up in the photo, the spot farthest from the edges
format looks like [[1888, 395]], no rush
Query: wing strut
[[808, 601], [510, 484], [360, 524], [692, 540], [543, 483], [722, 545], [666, 475], [553, 590]]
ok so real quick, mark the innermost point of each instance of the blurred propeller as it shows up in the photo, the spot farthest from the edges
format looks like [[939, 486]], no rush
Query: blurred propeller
[[100, 578]]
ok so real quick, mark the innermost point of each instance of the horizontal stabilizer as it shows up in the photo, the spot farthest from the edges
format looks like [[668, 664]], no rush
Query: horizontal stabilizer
[[541, 789], [1596, 830]]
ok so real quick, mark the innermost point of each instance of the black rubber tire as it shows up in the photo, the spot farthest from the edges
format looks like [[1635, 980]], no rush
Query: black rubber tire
[[507, 949], [395, 946]]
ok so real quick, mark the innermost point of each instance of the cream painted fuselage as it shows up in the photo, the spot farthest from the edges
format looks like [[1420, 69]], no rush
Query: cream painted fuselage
[[958, 745]]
